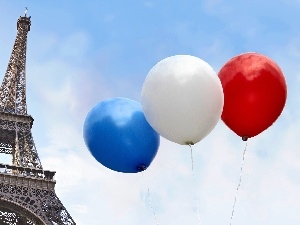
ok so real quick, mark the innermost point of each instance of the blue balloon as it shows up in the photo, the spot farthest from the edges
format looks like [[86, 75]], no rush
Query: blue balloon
[[119, 137]]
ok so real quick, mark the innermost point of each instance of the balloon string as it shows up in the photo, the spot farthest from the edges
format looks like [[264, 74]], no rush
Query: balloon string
[[195, 183], [238, 187], [150, 202]]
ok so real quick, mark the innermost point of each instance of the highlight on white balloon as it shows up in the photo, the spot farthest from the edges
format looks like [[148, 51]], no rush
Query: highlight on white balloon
[[182, 99]]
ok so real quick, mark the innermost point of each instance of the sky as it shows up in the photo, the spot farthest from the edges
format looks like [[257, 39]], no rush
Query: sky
[[82, 52]]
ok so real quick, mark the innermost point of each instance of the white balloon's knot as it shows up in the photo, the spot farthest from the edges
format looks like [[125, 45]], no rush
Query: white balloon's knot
[[141, 167], [189, 143]]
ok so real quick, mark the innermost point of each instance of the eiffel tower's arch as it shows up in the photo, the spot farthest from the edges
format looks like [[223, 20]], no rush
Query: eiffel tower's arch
[[11, 213]]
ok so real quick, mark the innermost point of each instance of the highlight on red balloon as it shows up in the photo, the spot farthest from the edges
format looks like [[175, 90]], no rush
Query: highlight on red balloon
[[255, 93]]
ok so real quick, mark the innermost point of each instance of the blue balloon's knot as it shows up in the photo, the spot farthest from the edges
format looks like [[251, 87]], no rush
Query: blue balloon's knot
[[141, 167]]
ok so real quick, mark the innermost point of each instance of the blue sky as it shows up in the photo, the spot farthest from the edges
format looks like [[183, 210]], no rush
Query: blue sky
[[82, 52]]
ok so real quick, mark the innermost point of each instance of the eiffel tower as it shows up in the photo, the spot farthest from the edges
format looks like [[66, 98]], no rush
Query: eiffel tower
[[27, 194]]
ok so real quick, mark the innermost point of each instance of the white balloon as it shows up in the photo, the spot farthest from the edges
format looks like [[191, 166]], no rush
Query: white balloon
[[182, 99]]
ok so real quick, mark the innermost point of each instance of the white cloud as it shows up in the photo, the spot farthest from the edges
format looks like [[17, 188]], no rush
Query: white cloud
[[148, 4], [109, 18], [74, 46]]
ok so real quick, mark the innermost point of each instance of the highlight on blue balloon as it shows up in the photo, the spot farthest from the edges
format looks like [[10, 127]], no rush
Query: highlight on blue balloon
[[119, 137]]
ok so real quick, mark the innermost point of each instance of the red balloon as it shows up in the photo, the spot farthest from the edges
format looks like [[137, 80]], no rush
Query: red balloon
[[254, 93]]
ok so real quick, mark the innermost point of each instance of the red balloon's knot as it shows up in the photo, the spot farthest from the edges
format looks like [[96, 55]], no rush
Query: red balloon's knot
[[245, 138]]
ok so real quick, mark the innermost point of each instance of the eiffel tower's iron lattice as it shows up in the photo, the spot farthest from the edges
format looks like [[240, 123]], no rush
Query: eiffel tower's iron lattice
[[27, 193]]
